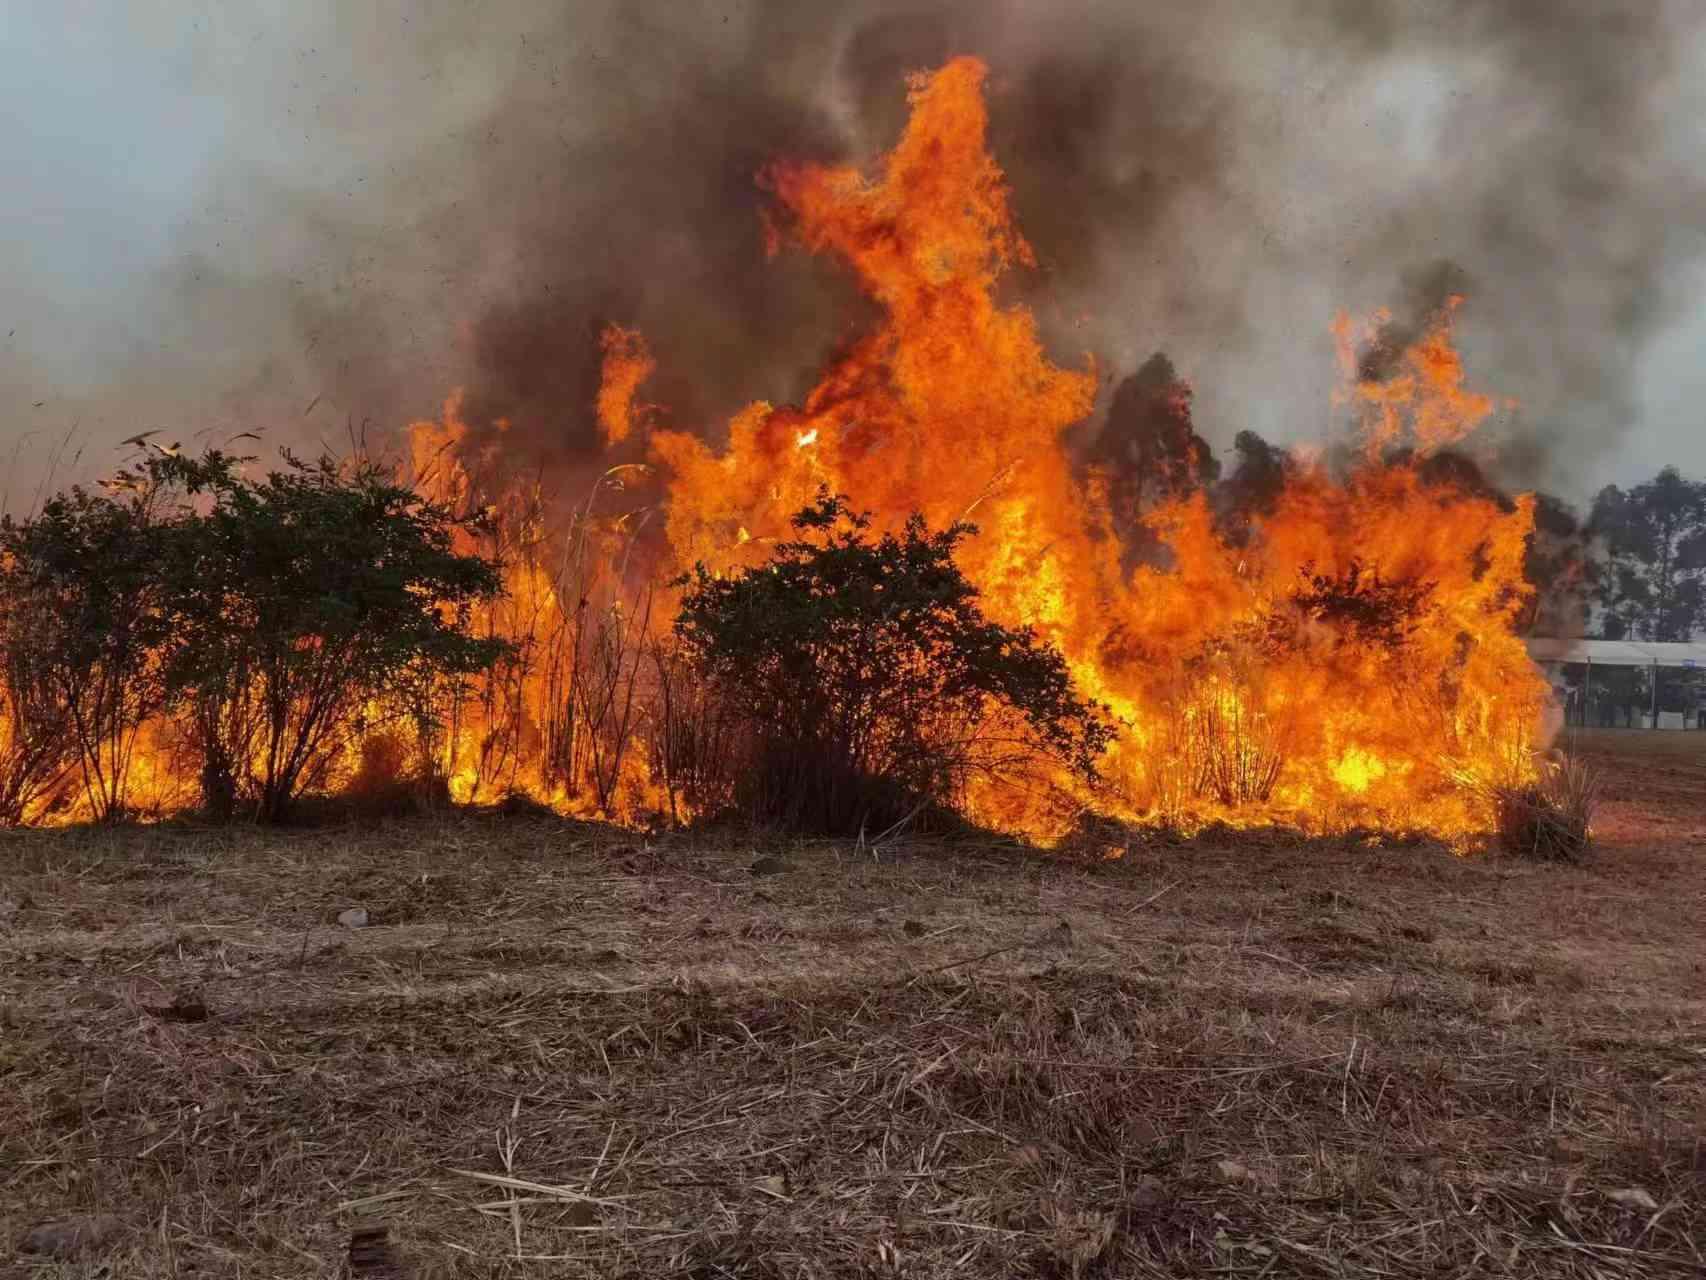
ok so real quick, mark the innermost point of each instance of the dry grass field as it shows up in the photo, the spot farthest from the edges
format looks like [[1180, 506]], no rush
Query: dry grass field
[[561, 1050]]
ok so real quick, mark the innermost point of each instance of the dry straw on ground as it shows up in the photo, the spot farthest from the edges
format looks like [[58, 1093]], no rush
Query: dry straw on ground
[[557, 1050]]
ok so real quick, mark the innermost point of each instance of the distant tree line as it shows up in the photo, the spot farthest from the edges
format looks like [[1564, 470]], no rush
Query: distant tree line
[[1633, 567]]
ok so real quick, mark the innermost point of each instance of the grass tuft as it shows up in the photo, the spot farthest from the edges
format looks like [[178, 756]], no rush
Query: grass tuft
[[1550, 819]]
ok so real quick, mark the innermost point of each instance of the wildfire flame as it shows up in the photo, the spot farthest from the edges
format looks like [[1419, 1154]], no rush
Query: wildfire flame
[[1346, 659], [627, 363], [952, 408], [1427, 402]]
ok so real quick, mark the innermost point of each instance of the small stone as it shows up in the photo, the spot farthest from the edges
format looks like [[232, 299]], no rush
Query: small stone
[[1231, 1171], [769, 866], [64, 1237], [1634, 1198], [354, 918], [913, 929], [1148, 1193], [186, 1006]]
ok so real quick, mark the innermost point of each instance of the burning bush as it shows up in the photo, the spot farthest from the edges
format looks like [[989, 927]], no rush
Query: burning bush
[[1235, 751], [268, 623], [303, 601], [1362, 605], [868, 682], [1219, 740], [36, 753], [79, 646]]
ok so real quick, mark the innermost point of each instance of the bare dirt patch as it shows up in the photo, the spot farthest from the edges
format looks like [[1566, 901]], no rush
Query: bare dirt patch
[[558, 1049]]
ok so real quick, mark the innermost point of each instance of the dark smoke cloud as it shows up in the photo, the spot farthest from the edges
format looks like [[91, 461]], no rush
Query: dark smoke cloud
[[476, 192], [1559, 206], [657, 223], [1424, 298]]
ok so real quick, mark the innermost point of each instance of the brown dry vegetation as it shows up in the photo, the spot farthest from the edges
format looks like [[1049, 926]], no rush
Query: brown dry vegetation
[[1246, 1055]]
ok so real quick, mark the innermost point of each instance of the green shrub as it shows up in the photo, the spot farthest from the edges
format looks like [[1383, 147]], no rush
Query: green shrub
[[81, 587], [301, 602], [867, 682]]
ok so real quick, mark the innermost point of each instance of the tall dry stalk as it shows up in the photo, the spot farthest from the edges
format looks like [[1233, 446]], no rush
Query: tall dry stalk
[[594, 664], [1238, 753], [1219, 742], [694, 737]]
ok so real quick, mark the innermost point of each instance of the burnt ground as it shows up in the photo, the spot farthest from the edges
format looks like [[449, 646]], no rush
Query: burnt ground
[[564, 1050]]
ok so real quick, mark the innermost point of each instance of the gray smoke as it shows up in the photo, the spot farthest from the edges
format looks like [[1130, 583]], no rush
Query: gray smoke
[[417, 197]]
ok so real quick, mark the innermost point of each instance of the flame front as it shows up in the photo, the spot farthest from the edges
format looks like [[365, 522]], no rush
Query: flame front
[[1236, 702], [1346, 658]]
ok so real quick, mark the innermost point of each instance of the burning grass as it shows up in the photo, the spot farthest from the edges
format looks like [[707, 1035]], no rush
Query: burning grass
[[1551, 819], [562, 1049], [1547, 817]]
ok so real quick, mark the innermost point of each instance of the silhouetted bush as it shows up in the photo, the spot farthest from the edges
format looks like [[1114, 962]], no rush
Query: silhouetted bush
[[82, 588], [272, 622], [868, 683], [301, 602]]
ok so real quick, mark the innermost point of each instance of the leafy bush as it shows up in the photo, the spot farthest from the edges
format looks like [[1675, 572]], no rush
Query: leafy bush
[[300, 603], [867, 680], [81, 586], [37, 755]]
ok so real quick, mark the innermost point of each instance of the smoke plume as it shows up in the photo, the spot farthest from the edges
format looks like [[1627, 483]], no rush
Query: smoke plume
[[419, 197]]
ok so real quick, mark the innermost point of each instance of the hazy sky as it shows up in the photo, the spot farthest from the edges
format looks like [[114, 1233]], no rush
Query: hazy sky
[[218, 214]]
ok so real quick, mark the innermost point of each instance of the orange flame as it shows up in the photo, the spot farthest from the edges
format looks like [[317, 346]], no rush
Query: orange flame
[[627, 363], [1258, 677], [1426, 405], [952, 408]]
